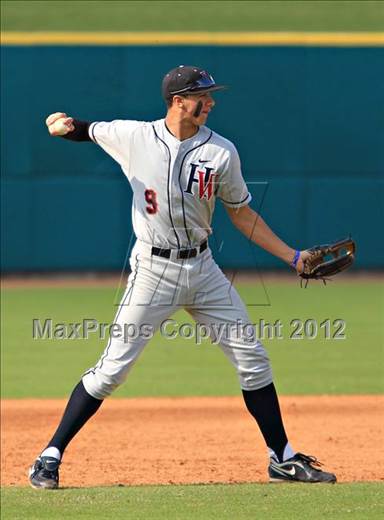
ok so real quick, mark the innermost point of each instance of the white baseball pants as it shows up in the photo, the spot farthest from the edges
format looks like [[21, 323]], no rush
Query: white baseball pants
[[157, 287]]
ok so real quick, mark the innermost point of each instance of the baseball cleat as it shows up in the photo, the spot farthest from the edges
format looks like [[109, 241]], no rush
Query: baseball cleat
[[44, 474], [300, 468]]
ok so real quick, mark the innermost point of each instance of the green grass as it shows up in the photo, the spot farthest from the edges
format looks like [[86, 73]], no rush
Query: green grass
[[50, 368], [298, 15], [199, 502]]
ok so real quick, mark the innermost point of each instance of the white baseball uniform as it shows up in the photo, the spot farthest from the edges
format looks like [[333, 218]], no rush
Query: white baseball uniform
[[175, 185]]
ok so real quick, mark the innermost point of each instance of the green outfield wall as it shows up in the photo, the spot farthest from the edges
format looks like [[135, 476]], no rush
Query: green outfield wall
[[308, 123]]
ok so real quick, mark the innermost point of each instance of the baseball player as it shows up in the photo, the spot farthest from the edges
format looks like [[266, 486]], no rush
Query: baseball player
[[178, 168]]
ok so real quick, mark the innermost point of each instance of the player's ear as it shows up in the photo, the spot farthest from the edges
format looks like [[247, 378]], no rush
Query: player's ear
[[178, 101]]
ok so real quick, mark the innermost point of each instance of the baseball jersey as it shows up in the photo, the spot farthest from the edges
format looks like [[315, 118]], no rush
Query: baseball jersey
[[175, 183]]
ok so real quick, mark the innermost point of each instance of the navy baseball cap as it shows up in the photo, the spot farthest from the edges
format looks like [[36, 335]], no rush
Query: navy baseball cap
[[187, 79]]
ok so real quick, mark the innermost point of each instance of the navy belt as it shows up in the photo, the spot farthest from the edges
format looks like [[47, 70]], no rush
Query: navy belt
[[182, 253]]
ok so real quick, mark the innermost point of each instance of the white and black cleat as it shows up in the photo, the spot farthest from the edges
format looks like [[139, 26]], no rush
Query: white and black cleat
[[44, 474], [300, 468]]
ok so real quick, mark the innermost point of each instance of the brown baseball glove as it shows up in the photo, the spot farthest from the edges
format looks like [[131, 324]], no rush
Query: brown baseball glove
[[328, 260]]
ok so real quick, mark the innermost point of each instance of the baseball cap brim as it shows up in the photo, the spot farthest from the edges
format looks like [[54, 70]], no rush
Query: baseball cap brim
[[214, 88], [198, 90]]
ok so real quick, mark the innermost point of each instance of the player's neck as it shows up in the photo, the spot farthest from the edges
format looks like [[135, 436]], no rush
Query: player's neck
[[181, 128]]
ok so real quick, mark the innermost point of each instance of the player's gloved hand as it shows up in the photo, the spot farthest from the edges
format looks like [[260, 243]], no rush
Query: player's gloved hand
[[59, 124], [328, 260]]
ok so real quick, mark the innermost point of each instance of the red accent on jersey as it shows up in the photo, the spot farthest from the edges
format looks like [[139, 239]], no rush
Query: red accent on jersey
[[151, 198], [206, 188]]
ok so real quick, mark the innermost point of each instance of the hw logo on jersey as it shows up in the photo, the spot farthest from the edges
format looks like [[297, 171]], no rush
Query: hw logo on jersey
[[205, 180]]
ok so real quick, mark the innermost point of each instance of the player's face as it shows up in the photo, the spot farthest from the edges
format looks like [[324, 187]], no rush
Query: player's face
[[192, 103]]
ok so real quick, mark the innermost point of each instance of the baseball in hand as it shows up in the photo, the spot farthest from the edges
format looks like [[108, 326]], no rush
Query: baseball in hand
[[59, 124]]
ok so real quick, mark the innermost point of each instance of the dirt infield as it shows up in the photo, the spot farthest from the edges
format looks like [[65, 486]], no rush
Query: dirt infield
[[190, 440]]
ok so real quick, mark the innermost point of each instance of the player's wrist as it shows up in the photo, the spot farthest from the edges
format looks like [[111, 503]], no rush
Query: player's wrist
[[296, 258], [289, 256]]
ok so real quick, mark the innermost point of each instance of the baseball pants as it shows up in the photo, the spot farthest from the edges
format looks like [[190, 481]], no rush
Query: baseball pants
[[157, 287]]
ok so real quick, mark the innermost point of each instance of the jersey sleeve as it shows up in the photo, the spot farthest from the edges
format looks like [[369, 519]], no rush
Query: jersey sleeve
[[232, 189], [114, 137]]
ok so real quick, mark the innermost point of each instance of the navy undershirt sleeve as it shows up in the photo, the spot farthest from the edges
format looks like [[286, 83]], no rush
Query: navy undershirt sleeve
[[80, 133]]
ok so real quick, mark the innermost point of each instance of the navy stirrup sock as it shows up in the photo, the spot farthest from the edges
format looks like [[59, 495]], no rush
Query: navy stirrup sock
[[81, 406], [263, 405]]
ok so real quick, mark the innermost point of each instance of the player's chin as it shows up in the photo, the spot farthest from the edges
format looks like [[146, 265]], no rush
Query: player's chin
[[202, 118]]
